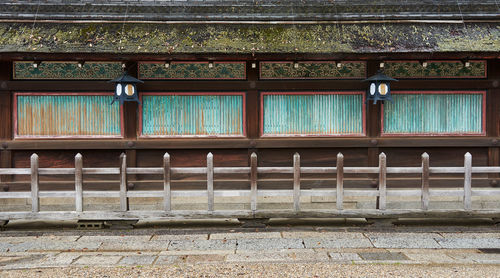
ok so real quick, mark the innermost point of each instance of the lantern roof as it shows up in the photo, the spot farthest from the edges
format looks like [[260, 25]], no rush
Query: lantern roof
[[125, 78], [380, 76]]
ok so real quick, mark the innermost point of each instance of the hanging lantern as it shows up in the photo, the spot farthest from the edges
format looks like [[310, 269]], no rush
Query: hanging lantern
[[379, 88], [126, 89]]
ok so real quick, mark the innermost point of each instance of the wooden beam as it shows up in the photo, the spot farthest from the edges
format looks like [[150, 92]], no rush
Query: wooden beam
[[382, 182], [425, 181], [210, 181], [253, 181], [35, 198], [196, 214], [78, 183], [468, 181], [167, 195], [244, 143], [124, 205], [340, 181], [296, 182]]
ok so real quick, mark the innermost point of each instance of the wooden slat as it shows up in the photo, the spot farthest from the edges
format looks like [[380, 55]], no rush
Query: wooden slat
[[101, 171], [78, 183], [275, 170], [253, 181], [361, 170], [15, 171], [425, 181], [468, 181], [35, 198], [210, 181], [123, 183], [56, 171], [340, 181], [296, 182], [382, 181], [167, 195]]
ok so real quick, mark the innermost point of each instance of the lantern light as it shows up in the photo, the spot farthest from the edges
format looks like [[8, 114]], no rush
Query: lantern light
[[210, 65], [167, 64], [80, 64], [295, 65], [379, 88], [126, 89], [381, 65], [254, 65], [338, 64], [36, 64], [424, 64]]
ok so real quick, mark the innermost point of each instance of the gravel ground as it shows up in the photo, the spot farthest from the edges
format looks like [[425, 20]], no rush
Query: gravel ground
[[265, 270]]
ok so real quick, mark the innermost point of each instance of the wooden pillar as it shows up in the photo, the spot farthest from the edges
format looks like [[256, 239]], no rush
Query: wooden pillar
[[493, 118], [372, 125]]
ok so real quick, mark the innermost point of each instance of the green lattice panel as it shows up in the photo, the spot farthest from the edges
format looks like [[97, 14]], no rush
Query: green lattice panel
[[435, 69], [192, 70], [312, 70], [68, 70]]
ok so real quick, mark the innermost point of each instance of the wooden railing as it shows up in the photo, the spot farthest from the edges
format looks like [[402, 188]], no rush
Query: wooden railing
[[253, 172]]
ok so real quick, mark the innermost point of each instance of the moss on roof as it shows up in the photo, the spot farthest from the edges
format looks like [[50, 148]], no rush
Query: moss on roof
[[247, 38]]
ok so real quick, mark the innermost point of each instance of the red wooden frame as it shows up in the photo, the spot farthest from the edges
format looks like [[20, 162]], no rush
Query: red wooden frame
[[14, 111], [262, 94], [308, 78], [243, 94], [483, 117], [440, 77], [189, 62]]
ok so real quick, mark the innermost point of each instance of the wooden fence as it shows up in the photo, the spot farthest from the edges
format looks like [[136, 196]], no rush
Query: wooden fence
[[253, 171]]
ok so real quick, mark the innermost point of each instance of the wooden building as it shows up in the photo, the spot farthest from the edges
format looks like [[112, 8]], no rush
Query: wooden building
[[237, 77]]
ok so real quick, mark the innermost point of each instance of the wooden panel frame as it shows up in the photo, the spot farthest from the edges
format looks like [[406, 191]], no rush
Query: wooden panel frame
[[483, 116], [14, 77], [363, 110], [192, 62], [244, 124], [311, 78], [14, 111], [440, 77]]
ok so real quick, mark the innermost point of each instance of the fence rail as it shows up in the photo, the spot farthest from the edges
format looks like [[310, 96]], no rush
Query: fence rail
[[338, 192]]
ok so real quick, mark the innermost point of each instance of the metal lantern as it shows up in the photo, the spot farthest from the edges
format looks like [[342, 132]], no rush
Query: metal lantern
[[379, 88], [126, 89]]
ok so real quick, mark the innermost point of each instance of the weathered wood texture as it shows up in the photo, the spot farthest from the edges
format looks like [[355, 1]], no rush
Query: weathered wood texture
[[251, 173], [363, 151], [425, 181], [78, 183]]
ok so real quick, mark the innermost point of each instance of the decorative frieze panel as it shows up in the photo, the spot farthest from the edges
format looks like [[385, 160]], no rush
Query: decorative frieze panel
[[192, 70], [434, 113], [192, 114], [66, 115], [313, 114], [67, 70], [313, 70], [435, 69]]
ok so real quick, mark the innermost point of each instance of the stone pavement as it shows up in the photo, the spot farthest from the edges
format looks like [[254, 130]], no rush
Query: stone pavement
[[152, 247]]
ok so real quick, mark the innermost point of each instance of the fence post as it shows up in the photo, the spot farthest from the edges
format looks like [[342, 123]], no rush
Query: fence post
[[78, 183], [123, 183], [253, 181], [467, 181], [167, 195], [340, 181], [382, 177], [210, 181], [296, 182], [35, 198], [425, 181]]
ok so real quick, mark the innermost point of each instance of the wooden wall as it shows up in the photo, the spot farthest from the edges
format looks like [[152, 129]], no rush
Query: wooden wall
[[143, 152]]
